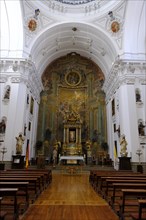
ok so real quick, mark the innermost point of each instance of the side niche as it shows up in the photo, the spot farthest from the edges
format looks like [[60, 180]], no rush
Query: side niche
[[141, 128], [138, 96], [7, 91]]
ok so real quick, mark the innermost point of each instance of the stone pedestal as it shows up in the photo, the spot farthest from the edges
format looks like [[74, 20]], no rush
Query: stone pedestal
[[140, 168], [125, 163], [18, 162], [40, 162], [2, 166]]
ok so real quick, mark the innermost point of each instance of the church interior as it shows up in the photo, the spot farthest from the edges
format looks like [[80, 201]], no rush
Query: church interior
[[73, 109]]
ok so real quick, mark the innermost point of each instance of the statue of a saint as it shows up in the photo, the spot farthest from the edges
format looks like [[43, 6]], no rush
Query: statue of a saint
[[19, 142], [141, 129], [54, 157], [2, 126], [123, 144], [7, 93]]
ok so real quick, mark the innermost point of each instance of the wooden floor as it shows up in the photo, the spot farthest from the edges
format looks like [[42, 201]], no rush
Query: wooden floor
[[69, 197]]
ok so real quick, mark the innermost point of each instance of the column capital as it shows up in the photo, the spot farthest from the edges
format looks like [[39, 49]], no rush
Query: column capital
[[124, 72]]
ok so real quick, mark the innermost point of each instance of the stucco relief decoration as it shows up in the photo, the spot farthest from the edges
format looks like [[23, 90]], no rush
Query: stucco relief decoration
[[115, 25], [32, 24]]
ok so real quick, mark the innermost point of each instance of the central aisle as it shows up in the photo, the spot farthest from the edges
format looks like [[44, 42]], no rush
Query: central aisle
[[70, 197]]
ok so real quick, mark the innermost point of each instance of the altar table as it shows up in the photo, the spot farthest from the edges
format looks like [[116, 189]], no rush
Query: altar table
[[71, 159]]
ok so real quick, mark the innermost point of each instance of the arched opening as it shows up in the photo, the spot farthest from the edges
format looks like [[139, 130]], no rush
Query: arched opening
[[72, 109]]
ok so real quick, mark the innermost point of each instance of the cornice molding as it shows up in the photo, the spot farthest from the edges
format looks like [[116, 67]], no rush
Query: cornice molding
[[124, 73], [3, 78], [21, 70]]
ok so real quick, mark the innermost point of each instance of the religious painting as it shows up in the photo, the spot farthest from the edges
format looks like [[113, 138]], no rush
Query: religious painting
[[27, 99], [115, 26], [72, 135], [71, 101], [29, 126], [113, 107], [115, 128], [32, 25], [31, 105]]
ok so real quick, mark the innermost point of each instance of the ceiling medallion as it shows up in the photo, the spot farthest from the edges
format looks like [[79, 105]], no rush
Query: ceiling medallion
[[115, 26], [32, 24], [74, 2]]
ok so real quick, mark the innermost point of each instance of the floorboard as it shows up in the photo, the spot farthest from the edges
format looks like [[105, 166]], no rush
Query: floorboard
[[69, 197]]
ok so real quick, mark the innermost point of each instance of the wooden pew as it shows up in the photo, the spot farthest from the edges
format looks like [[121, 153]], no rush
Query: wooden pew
[[100, 181], [110, 181], [129, 200], [104, 183], [46, 172], [117, 193], [22, 191], [2, 213], [11, 192], [98, 178], [141, 215], [25, 175], [32, 188]]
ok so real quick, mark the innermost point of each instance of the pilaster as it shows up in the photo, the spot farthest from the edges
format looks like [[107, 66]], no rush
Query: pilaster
[[21, 76], [125, 77]]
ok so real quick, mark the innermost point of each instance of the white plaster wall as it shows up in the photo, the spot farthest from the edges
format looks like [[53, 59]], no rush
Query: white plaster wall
[[11, 39], [110, 139], [11, 121], [17, 112], [31, 135], [135, 29], [34, 130], [128, 119]]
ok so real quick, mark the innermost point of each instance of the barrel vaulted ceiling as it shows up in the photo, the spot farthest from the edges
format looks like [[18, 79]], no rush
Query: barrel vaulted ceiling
[[54, 28], [77, 26]]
